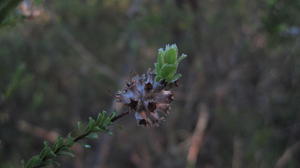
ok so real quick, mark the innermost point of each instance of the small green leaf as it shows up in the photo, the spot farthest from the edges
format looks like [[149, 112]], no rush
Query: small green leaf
[[34, 161], [171, 54], [58, 143], [168, 70], [110, 133], [79, 125], [98, 129], [52, 154], [112, 115], [91, 124], [67, 153], [87, 146], [160, 57], [38, 2], [158, 78], [176, 77], [93, 136], [157, 68], [69, 141], [183, 56], [45, 151], [15, 81]]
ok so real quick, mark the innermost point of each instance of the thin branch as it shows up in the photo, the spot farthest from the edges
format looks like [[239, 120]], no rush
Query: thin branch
[[119, 116], [287, 155], [98, 125], [50, 136], [112, 120], [198, 136], [237, 153]]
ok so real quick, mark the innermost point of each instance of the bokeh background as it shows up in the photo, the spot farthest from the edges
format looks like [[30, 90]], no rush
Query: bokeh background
[[237, 104]]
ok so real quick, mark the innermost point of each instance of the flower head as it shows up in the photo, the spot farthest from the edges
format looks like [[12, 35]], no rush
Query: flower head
[[149, 99], [149, 95]]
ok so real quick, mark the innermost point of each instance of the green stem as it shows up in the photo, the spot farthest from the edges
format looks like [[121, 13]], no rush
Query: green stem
[[76, 139]]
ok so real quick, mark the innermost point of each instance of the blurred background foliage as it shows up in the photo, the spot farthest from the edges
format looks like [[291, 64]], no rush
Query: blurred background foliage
[[237, 104]]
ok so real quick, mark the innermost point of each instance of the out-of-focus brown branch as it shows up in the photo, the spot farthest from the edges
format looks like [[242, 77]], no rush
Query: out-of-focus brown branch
[[237, 153], [50, 136], [287, 155], [142, 160], [198, 136]]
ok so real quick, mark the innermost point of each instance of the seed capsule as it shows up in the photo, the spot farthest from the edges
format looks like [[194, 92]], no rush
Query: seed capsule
[[148, 99]]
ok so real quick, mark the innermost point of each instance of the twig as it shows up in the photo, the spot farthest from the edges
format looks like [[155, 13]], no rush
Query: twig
[[63, 144], [287, 155], [112, 120], [198, 136], [119, 116], [50, 136], [237, 153]]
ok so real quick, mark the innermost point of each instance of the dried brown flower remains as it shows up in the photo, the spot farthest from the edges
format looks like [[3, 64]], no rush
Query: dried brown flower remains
[[149, 99]]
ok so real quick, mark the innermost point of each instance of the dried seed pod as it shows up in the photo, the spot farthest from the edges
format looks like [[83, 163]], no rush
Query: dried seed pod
[[149, 99]]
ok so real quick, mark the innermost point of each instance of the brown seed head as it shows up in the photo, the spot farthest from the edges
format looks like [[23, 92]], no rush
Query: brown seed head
[[149, 99]]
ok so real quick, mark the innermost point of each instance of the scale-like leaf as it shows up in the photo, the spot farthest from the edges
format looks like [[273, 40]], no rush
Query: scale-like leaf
[[183, 56], [167, 70], [87, 146], [67, 153], [160, 58], [176, 77], [167, 63], [171, 54], [93, 136]]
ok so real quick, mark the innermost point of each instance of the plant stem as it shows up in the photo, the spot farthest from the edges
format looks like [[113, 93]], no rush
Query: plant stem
[[82, 136], [119, 116]]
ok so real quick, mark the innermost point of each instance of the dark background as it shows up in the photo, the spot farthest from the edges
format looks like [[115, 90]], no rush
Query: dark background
[[238, 100]]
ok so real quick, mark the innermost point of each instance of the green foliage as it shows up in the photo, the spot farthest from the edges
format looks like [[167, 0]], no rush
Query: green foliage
[[167, 63], [279, 22], [15, 81], [61, 146], [38, 2], [6, 8]]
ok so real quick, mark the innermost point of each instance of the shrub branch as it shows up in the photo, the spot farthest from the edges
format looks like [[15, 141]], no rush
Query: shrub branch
[[165, 74]]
